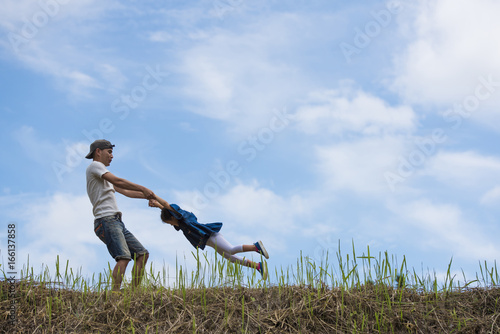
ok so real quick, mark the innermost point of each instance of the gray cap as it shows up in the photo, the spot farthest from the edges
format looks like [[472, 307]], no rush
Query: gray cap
[[98, 144]]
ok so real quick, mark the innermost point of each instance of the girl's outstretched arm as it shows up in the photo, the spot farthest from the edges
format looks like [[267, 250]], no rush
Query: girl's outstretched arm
[[159, 203], [155, 204]]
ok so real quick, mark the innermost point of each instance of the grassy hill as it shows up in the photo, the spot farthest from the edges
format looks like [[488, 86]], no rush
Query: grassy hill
[[364, 295]]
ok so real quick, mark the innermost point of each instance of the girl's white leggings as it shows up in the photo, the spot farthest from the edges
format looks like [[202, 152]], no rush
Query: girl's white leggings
[[224, 248]]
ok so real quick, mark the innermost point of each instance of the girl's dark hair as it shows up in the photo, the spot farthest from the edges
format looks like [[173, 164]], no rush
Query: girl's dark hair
[[165, 214]]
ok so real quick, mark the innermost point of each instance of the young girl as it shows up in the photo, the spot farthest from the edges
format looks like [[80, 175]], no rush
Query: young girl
[[200, 235]]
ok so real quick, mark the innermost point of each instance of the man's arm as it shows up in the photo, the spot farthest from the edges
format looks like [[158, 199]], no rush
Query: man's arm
[[128, 188], [130, 193]]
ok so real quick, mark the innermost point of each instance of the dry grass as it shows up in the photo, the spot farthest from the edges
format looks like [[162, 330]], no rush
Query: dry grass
[[213, 299], [292, 309]]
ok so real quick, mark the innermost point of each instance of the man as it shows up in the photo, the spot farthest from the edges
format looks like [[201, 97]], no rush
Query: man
[[108, 225]]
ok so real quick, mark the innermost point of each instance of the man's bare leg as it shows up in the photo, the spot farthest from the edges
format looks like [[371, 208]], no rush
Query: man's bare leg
[[118, 273], [138, 270]]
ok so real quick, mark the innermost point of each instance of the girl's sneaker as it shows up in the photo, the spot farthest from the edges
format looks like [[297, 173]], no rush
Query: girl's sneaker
[[262, 270], [260, 249]]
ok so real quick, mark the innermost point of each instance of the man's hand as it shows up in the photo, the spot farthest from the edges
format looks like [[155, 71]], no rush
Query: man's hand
[[148, 194]]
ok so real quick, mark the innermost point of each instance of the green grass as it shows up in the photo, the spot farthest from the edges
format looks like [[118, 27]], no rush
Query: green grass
[[344, 293]]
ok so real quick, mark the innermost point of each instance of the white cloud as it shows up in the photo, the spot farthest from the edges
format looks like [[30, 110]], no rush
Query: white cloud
[[212, 84], [16, 13], [491, 197], [369, 134], [37, 149], [349, 110], [448, 50], [161, 36], [241, 77], [69, 69], [444, 227], [55, 160], [317, 230], [359, 165], [36, 29], [252, 206], [467, 169], [250, 212], [57, 225]]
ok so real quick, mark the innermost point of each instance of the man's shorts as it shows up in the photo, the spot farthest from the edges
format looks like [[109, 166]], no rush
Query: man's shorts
[[120, 242]]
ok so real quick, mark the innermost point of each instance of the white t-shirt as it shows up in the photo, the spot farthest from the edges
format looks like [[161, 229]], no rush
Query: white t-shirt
[[101, 192]]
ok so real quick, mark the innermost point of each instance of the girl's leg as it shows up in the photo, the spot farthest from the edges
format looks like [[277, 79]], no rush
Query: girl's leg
[[236, 249], [223, 247]]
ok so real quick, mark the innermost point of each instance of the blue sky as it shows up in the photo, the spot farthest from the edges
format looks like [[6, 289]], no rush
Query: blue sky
[[298, 123]]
